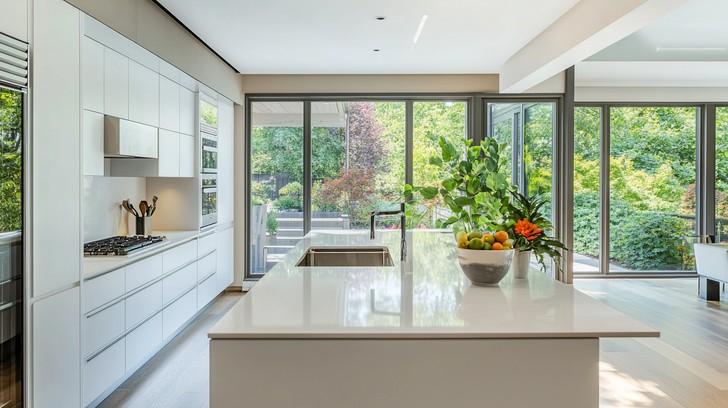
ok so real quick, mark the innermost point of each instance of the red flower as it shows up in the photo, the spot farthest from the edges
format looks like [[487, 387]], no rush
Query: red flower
[[527, 229]]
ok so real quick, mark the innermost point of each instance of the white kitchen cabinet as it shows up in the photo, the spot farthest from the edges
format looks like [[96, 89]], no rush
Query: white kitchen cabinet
[[56, 349], [143, 94], [146, 270], [225, 258], [186, 155], [168, 104], [102, 372], [225, 161], [206, 291], [143, 341], [179, 256], [103, 327], [206, 266], [116, 84], [177, 314], [169, 153], [92, 75], [143, 304], [92, 134], [56, 159], [103, 289], [187, 111], [179, 283]]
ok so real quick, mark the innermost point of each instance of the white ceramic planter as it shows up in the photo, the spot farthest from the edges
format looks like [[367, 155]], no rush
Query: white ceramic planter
[[485, 268], [522, 264]]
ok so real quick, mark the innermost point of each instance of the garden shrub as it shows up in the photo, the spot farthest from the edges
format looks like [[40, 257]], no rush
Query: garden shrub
[[293, 189], [586, 223], [284, 203]]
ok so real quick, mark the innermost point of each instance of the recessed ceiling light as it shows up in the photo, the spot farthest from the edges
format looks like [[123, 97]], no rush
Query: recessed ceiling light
[[376, 50], [423, 20], [381, 18]]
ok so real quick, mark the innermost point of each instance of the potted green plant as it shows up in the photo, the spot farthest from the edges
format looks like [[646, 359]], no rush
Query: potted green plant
[[477, 192], [529, 230]]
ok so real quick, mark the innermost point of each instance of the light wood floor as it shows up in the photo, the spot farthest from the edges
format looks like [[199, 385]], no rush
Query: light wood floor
[[687, 367]]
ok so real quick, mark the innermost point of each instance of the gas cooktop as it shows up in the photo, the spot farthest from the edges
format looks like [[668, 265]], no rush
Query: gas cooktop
[[120, 245]]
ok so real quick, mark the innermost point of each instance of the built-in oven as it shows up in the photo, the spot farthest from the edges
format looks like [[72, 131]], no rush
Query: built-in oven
[[209, 153], [209, 199]]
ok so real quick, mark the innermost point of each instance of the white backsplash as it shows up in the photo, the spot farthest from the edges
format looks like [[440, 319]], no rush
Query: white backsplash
[[102, 196]]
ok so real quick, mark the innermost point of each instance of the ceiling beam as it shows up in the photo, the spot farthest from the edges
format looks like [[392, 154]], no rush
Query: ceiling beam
[[588, 27]]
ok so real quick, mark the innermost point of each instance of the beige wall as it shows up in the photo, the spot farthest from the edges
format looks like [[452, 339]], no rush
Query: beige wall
[[369, 83], [149, 26]]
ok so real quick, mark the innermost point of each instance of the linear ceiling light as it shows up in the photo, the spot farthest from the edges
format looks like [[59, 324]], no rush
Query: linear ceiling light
[[419, 29], [692, 49]]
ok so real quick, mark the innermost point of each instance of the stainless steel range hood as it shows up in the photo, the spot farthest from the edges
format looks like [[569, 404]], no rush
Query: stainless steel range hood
[[126, 139]]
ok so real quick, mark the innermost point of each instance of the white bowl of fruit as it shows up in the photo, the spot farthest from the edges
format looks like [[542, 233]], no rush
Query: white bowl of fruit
[[485, 258]]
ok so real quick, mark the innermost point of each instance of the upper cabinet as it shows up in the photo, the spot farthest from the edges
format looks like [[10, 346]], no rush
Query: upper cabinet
[[143, 94], [187, 111], [14, 18], [168, 104], [92, 75], [116, 84]]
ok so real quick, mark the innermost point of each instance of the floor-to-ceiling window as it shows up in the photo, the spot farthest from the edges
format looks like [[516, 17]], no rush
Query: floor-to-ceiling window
[[587, 184], [357, 161], [651, 164], [276, 182], [721, 174], [652, 174]]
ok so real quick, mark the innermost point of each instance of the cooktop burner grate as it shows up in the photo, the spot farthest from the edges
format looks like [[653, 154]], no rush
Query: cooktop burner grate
[[119, 245]]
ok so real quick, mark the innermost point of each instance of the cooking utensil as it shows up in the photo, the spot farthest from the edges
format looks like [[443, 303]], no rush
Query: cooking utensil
[[144, 207], [154, 205], [133, 210], [126, 206]]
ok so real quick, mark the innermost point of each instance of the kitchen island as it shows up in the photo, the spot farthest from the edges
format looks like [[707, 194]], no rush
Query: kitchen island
[[415, 334]]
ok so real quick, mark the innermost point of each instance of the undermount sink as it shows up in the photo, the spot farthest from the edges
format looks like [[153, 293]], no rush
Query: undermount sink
[[346, 256]]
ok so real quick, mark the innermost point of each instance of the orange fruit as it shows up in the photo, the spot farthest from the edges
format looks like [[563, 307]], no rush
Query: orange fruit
[[497, 246], [501, 236]]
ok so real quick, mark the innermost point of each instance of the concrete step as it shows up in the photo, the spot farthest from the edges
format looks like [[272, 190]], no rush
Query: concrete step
[[289, 232], [278, 249], [334, 223]]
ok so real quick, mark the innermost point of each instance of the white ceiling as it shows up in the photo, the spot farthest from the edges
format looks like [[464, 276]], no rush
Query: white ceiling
[[338, 36], [686, 48]]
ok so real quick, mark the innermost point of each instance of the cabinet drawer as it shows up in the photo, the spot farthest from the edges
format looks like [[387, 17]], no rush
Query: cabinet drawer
[[206, 244], [179, 282], [183, 254], [143, 304], [103, 371], [137, 274], [143, 341], [103, 289], [103, 327], [206, 291], [177, 314], [206, 266]]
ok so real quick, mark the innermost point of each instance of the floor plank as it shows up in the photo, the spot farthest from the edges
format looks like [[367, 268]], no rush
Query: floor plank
[[686, 368]]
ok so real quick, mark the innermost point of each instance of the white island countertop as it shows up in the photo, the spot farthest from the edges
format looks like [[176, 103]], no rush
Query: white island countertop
[[426, 297]]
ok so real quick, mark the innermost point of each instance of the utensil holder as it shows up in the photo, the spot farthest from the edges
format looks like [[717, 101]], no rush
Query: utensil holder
[[140, 226]]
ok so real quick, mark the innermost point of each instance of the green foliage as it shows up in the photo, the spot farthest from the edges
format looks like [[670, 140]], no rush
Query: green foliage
[[586, 223], [293, 189], [271, 224], [11, 160], [648, 241], [530, 209], [474, 188]]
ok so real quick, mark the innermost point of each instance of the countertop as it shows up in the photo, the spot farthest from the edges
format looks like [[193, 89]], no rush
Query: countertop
[[99, 265], [427, 296]]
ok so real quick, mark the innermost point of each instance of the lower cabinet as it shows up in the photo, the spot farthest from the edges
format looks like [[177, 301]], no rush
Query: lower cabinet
[[102, 371], [131, 312], [176, 314], [143, 341]]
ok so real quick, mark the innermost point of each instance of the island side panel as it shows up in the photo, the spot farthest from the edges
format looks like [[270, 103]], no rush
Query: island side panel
[[313, 373]]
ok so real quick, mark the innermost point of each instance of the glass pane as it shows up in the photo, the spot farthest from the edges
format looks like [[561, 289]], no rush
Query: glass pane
[[504, 121], [652, 183], [11, 246], [721, 174], [276, 185], [431, 121], [587, 125], [357, 162]]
